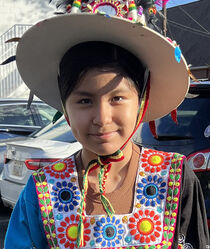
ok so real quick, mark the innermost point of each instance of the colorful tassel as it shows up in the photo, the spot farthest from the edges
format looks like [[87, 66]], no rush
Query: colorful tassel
[[132, 11], [76, 6], [174, 116], [152, 127]]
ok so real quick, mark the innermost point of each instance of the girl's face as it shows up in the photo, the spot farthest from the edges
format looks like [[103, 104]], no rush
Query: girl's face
[[102, 111]]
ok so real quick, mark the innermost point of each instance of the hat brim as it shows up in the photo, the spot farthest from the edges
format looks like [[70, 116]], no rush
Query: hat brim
[[42, 47]]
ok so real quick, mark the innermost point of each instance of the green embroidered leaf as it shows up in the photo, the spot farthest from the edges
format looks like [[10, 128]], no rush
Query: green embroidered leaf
[[167, 221], [45, 189], [50, 242], [152, 247], [48, 201], [177, 177], [170, 235], [47, 228], [176, 190], [50, 214], [168, 206], [55, 242], [42, 178], [171, 177], [170, 191], [165, 247], [172, 221], [44, 214], [165, 235], [173, 165], [42, 202], [174, 206], [175, 155], [39, 189], [52, 228]]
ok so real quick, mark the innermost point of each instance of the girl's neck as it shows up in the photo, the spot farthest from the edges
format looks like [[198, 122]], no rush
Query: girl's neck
[[86, 157]]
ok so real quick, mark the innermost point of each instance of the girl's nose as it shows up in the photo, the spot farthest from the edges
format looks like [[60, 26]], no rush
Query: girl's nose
[[102, 114]]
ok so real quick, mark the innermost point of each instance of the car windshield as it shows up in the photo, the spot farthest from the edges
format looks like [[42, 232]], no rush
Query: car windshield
[[193, 117], [60, 131]]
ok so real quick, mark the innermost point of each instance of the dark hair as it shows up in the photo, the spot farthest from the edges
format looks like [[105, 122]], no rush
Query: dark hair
[[95, 54]]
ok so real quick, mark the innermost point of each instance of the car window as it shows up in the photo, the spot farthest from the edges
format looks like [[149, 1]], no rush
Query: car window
[[193, 117], [46, 113], [16, 115], [60, 131]]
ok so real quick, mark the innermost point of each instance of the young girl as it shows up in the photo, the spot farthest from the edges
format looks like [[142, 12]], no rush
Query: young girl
[[112, 193]]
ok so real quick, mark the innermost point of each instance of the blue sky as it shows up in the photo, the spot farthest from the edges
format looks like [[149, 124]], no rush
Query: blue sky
[[173, 3]]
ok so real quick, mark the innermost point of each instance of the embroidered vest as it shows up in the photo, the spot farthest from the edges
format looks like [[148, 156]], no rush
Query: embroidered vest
[[151, 224]]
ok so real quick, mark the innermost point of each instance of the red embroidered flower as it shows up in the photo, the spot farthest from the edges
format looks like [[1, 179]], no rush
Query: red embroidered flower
[[145, 226], [153, 161], [61, 169], [67, 232]]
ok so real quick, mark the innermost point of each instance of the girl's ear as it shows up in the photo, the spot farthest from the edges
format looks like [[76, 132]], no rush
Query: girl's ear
[[67, 120]]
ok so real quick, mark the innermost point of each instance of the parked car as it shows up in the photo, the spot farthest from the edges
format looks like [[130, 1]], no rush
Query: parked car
[[191, 136], [50, 144], [16, 119]]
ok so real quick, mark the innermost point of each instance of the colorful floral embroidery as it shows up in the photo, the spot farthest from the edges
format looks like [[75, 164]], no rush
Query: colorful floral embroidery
[[61, 169], [145, 226], [65, 196], [151, 190], [108, 231], [45, 208], [153, 161], [67, 231]]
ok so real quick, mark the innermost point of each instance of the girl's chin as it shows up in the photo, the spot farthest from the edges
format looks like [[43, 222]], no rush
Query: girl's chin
[[103, 150]]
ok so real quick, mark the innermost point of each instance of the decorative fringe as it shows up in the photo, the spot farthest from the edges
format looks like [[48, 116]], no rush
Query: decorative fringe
[[76, 7], [107, 205], [174, 116], [10, 59], [152, 127], [132, 10], [15, 39]]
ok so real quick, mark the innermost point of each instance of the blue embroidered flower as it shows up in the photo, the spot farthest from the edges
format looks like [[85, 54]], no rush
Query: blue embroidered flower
[[108, 232], [65, 196], [151, 190]]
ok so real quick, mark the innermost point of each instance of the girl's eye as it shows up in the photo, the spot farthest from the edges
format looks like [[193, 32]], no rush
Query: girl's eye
[[84, 101], [117, 99]]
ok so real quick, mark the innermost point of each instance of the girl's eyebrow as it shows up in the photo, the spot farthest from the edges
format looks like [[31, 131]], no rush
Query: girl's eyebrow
[[82, 93]]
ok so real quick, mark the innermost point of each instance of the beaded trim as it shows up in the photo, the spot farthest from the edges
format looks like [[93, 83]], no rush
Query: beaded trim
[[152, 223]]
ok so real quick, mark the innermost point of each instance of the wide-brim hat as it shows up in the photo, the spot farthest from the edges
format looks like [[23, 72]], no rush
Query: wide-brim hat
[[42, 47]]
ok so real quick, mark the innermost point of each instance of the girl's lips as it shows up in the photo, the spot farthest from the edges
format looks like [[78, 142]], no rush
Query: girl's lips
[[103, 135]]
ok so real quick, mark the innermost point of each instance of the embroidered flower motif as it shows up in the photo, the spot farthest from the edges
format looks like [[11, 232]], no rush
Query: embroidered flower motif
[[65, 196], [145, 226], [154, 162], [60, 169], [108, 232], [151, 190], [68, 229]]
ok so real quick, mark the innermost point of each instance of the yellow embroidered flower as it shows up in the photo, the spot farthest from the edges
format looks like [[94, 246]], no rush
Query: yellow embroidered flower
[[170, 184], [167, 213], [165, 228], [138, 205], [35, 174], [177, 184], [125, 219], [43, 208], [158, 246], [178, 170], [92, 220], [141, 173], [173, 214], [175, 199], [53, 235], [46, 195], [172, 170], [172, 228], [44, 183], [169, 198], [45, 222], [51, 221], [49, 207], [38, 184], [40, 196], [164, 242], [48, 236]]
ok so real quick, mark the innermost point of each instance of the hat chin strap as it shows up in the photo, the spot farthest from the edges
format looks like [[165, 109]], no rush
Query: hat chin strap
[[105, 163]]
